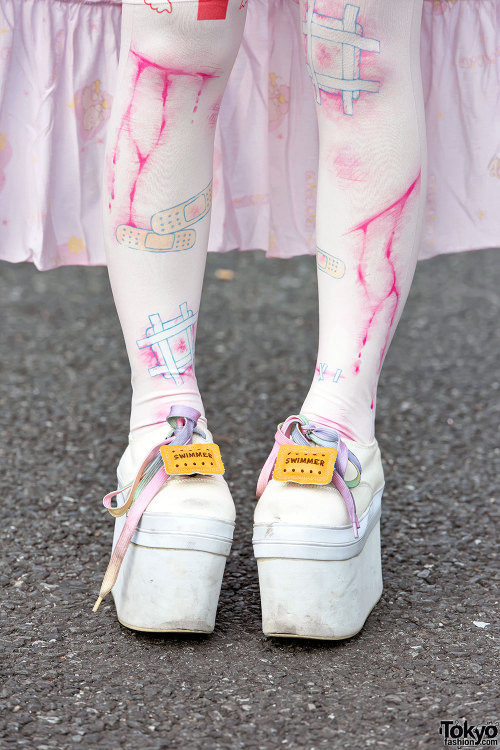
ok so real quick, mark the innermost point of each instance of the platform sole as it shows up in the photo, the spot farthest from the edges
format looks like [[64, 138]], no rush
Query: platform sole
[[179, 631], [171, 576], [163, 590], [320, 598]]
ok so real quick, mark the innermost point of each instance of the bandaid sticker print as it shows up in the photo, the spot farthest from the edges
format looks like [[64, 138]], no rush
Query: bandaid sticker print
[[171, 228], [141, 239], [172, 343], [331, 265], [346, 38], [183, 215]]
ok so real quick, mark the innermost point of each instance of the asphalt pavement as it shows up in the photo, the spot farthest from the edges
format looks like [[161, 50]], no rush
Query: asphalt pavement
[[427, 654]]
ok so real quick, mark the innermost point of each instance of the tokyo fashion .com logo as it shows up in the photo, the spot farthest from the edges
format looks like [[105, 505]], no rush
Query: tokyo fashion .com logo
[[459, 735]]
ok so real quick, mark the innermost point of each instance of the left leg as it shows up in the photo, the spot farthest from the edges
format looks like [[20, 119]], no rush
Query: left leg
[[370, 197], [317, 523]]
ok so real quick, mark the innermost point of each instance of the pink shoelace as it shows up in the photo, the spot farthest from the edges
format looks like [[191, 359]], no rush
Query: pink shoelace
[[297, 430], [150, 478]]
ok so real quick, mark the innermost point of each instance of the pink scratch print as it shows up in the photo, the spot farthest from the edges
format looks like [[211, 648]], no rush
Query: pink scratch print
[[371, 229], [196, 102], [126, 127]]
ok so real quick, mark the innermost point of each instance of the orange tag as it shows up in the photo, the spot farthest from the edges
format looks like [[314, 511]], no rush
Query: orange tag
[[199, 458], [305, 464]]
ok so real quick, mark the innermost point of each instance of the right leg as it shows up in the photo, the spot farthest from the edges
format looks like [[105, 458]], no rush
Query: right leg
[[174, 66]]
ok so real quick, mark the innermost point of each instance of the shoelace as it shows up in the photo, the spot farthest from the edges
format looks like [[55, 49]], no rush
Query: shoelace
[[149, 480], [297, 430]]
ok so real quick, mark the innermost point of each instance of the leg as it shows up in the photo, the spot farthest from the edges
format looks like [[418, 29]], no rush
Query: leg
[[174, 513], [317, 522], [174, 66], [371, 195]]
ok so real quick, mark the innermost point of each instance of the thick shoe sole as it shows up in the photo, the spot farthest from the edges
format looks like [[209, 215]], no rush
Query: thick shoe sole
[[306, 594], [171, 576]]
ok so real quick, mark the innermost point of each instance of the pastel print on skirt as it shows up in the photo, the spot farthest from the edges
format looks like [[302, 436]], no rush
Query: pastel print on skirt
[[58, 71]]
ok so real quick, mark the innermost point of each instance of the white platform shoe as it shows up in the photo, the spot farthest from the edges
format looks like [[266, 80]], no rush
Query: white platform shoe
[[171, 542], [317, 533]]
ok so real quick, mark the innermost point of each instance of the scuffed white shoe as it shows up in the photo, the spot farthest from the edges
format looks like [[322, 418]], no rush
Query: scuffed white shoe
[[317, 532], [173, 530]]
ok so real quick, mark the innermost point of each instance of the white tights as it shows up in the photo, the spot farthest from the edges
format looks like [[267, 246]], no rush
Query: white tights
[[173, 70], [369, 213]]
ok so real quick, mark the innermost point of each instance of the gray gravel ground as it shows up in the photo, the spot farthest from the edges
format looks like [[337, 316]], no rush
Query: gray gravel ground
[[75, 679]]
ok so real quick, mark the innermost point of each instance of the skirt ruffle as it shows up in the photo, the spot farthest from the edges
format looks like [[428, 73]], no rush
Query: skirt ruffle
[[58, 72]]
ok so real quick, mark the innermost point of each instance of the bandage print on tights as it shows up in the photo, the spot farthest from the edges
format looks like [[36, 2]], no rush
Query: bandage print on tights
[[169, 227], [157, 193], [363, 59]]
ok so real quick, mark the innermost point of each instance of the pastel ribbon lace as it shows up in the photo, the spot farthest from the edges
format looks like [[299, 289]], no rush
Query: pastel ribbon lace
[[297, 430], [149, 480]]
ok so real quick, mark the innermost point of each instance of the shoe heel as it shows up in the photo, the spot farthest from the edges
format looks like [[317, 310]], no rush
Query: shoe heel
[[326, 599], [164, 590]]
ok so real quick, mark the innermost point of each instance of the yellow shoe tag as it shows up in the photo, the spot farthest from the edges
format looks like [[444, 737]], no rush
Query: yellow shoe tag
[[305, 464], [198, 458]]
